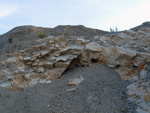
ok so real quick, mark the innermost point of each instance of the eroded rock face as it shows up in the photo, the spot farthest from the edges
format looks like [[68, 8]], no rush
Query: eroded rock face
[[127, 52]]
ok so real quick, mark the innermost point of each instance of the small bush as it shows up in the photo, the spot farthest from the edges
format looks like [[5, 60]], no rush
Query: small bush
[[10, 40], [41, 35], [114, 30]]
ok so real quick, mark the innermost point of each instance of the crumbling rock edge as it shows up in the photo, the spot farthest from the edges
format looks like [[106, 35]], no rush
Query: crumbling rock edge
[[53, 55]]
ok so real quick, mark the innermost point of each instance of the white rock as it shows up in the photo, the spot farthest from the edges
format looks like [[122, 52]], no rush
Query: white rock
[[6, 84], [40, 69], [27, 58], [45, 81], [27, 76], [44, 52], [76, 81], [11, 59], [62, 58], [143, 74]]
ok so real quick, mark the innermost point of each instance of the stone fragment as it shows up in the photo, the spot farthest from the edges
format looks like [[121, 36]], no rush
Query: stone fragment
[[127, 73], [93, 46], [132, 90], [62, 64], [143, 74], [76, 81], [62, 58], [26, 58], [43, 53], [34, 81], [6, 85], [40, 69], [72, 89], [11, 59], [45, 81], [27, 76]]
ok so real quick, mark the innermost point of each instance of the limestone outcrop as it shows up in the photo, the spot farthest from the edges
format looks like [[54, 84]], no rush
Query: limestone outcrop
[[127, 52]]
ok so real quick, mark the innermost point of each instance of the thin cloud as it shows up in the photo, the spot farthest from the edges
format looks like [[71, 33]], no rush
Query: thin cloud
[[127, 18], [7, 9], [134, 16]]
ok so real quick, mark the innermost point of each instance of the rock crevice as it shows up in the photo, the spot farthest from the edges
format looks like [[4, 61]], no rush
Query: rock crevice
[[125, 52]]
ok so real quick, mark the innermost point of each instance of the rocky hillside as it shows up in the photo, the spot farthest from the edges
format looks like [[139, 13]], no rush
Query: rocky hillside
[[21, 36], [126, 52]]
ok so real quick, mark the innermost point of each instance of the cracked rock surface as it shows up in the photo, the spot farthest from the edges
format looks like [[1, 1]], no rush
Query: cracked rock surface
[[126, 52]]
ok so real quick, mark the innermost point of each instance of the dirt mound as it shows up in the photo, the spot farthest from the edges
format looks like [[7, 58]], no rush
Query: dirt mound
[[21, 36], [101, 91], [66, 30], [79, 30]]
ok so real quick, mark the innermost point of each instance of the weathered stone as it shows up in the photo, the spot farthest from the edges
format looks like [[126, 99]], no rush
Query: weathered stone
[[62, 64], [62, 58], [43, 53], [27, 58], [76, 81], [55, 73], [12, 59], [126, 73], [94, 55], [6, 85], [27, 76], [45, 81], [143, 74], [40, 69], [132, 90], [35, 63], [72, 89], [93, 46], [34, 81], [122, 52], [127, 52]]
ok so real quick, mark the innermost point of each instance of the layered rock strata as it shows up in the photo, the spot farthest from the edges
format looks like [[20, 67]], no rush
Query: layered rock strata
[[127, 52]]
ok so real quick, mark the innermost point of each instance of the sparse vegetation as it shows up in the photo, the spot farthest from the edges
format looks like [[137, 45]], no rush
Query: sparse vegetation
[[41, 35], [10, 40], [114, 30]]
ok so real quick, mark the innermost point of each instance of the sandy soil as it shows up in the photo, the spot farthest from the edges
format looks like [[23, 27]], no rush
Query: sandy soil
[[102, 91]]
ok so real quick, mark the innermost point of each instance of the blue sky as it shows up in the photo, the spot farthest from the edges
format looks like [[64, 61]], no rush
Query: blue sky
[[99, 14]]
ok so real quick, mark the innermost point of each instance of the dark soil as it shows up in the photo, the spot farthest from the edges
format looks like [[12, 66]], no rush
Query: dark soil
[[102, 91]]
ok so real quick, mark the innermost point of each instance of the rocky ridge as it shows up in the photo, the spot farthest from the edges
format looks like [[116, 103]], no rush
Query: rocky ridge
[[127, 52]]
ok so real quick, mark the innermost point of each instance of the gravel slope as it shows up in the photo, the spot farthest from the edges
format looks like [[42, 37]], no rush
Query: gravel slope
[[102, 91]]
